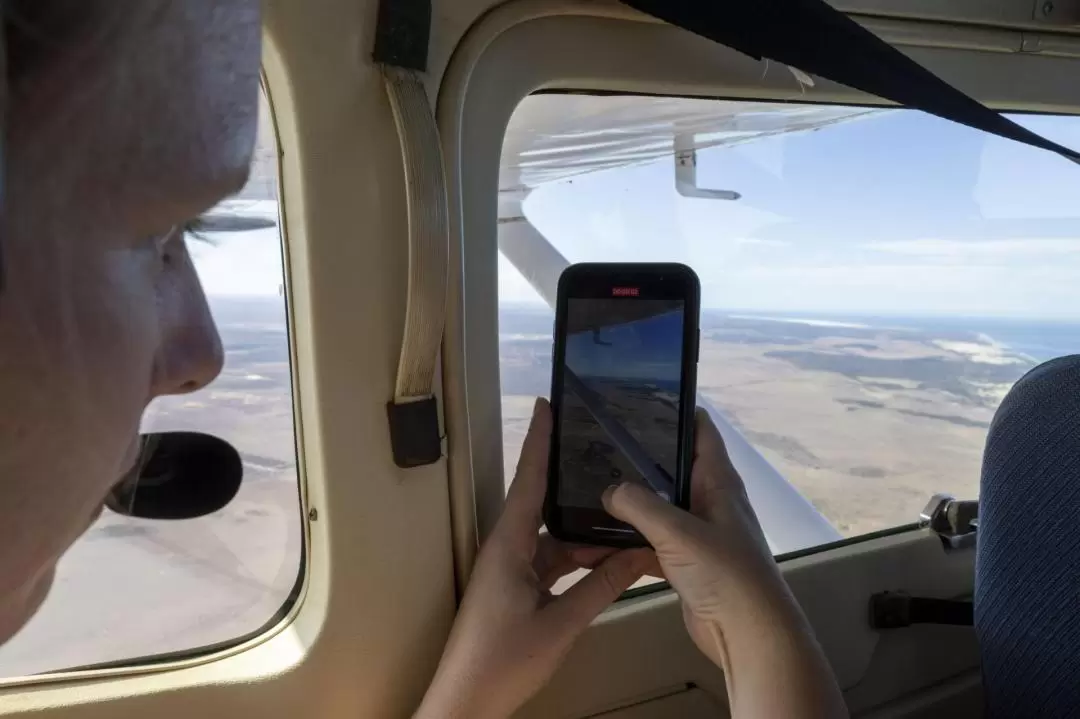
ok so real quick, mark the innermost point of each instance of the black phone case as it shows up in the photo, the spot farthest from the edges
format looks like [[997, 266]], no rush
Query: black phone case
[[610, 273]]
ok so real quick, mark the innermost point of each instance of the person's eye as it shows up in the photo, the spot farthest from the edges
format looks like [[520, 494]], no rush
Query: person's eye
[[196, 229]]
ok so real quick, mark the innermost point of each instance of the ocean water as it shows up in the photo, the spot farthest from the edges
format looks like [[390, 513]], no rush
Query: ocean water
[[1040, 340]]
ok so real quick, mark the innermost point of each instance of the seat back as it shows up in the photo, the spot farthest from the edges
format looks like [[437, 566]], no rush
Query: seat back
[[1027, 572]]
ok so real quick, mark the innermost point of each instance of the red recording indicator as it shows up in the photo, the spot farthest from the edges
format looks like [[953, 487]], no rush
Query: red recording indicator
[[625, 291]]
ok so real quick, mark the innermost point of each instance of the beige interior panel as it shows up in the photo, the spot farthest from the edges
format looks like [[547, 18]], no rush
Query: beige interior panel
[[918, 671], [834, 589], [958, 698], [453, 19], [640, 647], [1012, 13], [688, 703]]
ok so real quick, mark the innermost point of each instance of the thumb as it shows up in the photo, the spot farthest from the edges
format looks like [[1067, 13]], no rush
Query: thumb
[[571, 612], [658, 521]]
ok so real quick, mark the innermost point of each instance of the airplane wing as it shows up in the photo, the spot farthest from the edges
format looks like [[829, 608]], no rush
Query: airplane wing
[[589, 133]]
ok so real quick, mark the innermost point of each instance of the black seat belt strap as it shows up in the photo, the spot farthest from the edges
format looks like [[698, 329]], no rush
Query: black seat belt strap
[[812, 36]]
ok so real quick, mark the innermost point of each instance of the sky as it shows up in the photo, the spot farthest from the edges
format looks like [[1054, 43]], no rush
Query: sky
[[648, 349], [900, 213], [246, 264]]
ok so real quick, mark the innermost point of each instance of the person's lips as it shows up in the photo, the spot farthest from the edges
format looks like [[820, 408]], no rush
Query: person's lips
[[131, 458], [128, 466]]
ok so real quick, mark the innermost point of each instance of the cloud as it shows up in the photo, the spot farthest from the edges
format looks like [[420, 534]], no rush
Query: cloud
[[760, 242], [983, 249]]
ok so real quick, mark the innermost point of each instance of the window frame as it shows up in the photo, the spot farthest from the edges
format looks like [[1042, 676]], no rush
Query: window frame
[[503, 61]]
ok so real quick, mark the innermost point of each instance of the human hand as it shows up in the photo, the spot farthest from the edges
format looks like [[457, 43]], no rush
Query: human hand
[[511, 633], [736, 605], [715, 557]]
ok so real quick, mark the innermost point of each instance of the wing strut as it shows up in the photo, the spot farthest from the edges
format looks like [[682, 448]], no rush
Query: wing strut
[[686, 173]]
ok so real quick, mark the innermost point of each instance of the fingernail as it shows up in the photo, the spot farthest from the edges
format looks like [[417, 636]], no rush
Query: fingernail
[[536, 406], [605, 498]]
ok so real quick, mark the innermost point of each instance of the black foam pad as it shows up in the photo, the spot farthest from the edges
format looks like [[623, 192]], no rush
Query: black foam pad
[[181, 475]]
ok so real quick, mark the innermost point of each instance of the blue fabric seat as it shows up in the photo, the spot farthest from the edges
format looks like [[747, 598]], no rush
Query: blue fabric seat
[[1027, 572]]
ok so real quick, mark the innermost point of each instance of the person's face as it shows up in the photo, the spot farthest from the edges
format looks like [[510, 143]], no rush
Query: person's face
[[125, 119]]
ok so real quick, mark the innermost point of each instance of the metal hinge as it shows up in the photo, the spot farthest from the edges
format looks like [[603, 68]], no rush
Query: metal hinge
[[954, 520]]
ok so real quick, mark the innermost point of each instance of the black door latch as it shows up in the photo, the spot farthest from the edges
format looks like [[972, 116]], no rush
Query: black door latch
[[893, 610]]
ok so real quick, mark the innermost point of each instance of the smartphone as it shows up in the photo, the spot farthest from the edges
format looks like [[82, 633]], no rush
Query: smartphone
[[623, 388]]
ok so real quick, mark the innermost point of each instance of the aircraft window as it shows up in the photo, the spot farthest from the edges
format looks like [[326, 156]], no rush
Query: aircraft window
[[136, 589], [873, 281]]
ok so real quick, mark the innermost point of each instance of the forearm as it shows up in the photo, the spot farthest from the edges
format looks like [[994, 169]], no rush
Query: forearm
[[438, 704], [459, 690], [782, 675], [773, 664], [440, 707], [453, 696]]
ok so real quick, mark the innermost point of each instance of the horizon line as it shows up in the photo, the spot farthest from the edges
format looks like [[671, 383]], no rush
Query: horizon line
[[773, 314]]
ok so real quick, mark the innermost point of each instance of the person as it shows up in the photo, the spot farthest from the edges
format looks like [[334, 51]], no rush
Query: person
[[511, 633], [123, 119]]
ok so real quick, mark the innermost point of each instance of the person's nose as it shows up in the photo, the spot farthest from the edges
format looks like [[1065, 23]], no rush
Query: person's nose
[[192, 359], [190, 356]]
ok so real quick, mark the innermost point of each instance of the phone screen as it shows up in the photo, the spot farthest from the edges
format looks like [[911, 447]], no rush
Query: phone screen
[[621, 393]]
